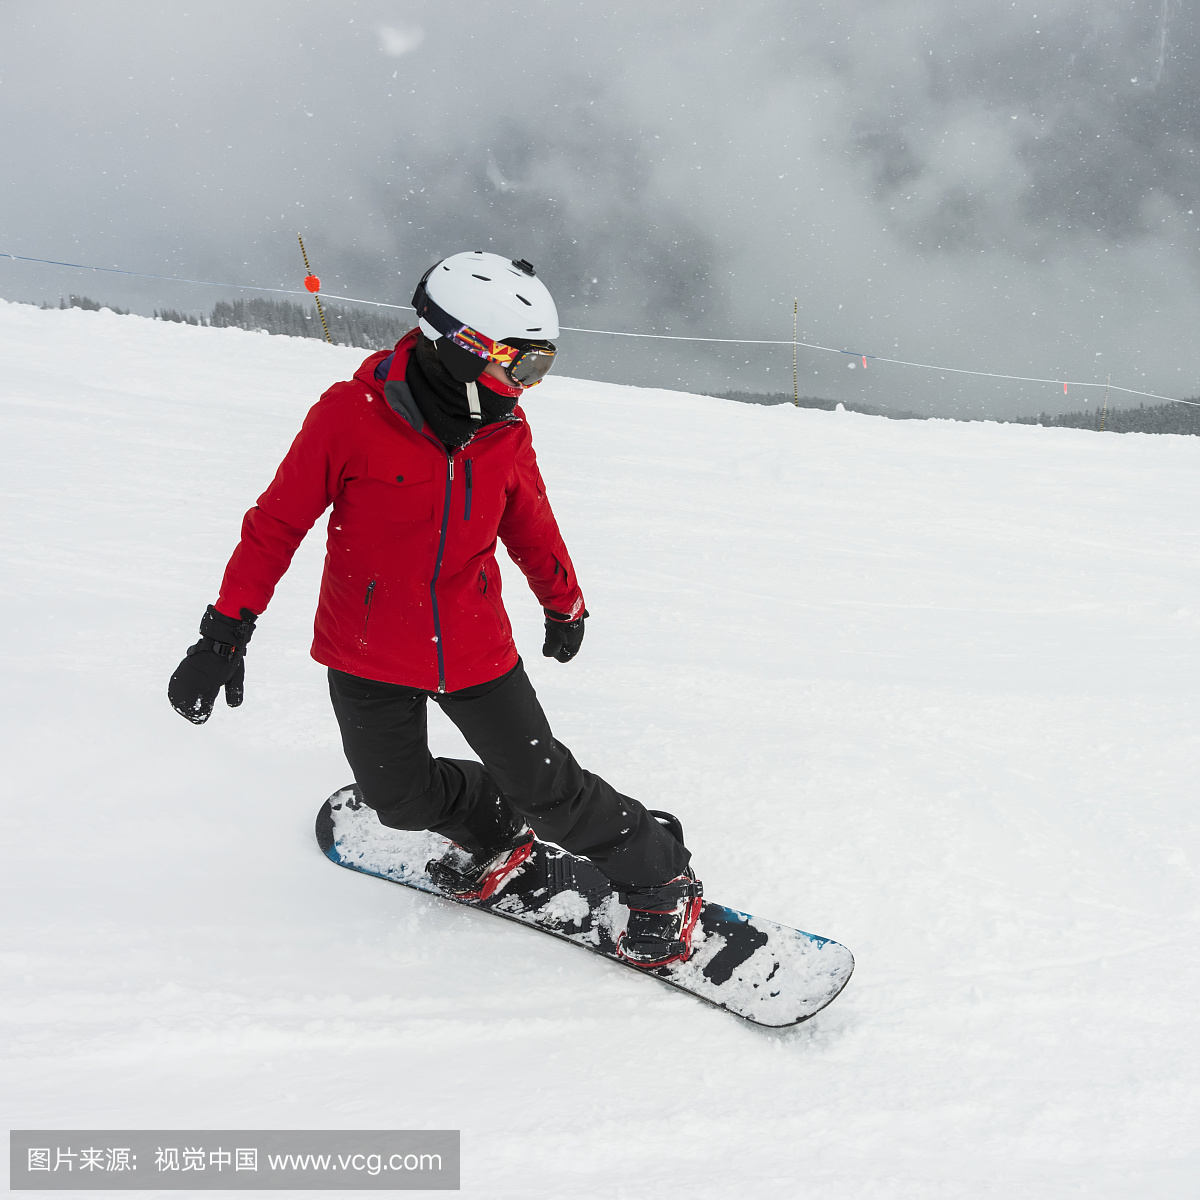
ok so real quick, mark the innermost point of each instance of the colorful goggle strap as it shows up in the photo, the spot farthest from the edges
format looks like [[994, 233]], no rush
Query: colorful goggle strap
[[466, 337]]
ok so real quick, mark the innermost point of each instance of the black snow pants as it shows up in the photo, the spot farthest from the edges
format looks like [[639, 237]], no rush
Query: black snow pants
[[524, 769]]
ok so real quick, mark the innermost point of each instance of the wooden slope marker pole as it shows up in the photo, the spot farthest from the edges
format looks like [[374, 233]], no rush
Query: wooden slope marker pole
[[795, 377], [314, 285], [1104, 410]]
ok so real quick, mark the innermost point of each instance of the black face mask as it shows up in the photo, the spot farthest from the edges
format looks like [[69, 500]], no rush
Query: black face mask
[[461, 364], [443, 400]]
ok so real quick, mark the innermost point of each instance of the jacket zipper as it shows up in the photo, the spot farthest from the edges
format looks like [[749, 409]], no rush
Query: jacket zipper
[[437, 566], [467, 508], [367, 602], [437, 570]]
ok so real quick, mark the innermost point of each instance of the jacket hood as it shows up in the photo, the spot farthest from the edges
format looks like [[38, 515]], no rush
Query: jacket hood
[[366, 373]]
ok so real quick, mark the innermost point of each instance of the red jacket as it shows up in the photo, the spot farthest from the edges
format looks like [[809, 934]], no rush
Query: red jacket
[[411, 590]]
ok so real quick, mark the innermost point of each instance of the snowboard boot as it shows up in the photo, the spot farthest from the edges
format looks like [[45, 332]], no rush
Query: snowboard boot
[[662, 919], [481, 876]]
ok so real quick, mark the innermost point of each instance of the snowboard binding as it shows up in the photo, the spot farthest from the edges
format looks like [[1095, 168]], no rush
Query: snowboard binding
[[661, 922]]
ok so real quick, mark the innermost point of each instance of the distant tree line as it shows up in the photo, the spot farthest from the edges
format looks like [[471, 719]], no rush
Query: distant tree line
[[1157, 418], [85, 302], [369, 330], [347, 326], [870, 410], [173, 314]]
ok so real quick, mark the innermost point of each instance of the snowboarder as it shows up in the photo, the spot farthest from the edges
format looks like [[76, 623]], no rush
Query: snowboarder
[[426, 459]]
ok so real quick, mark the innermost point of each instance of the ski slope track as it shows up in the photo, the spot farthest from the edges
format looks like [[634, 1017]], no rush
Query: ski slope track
[[930, 689]]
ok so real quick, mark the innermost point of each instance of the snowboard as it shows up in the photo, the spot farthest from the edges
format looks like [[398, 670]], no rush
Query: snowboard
[[763, 972]]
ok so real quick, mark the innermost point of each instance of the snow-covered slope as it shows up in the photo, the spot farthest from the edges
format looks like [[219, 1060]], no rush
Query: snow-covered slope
[[928, 688]]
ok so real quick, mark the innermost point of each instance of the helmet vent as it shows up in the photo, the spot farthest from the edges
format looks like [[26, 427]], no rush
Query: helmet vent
[[523, 300], [485, 278], [535, 329]]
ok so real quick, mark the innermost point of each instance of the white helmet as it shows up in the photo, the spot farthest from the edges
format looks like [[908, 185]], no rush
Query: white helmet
[[495, 309]]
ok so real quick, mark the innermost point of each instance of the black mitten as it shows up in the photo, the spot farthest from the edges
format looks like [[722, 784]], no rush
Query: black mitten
[[216, 661], [563, 636]]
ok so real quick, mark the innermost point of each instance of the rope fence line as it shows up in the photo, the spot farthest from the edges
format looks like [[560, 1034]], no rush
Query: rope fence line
[[662, 337], [243, 287]]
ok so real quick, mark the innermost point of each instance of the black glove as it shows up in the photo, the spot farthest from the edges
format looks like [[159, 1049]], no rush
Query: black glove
[[216, 661], [563, 636]]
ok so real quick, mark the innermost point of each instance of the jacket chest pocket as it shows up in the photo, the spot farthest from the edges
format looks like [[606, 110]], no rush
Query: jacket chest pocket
[[400, 494], [482, 497]]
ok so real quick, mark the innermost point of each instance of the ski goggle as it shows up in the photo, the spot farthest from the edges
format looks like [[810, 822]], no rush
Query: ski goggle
[[525, 363]]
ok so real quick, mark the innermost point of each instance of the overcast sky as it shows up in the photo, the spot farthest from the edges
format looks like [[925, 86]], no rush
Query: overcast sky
[[1005, 186]]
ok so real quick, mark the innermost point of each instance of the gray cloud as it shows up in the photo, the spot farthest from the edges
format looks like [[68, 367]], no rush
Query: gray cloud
[[396, 43], [1009, 187]]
